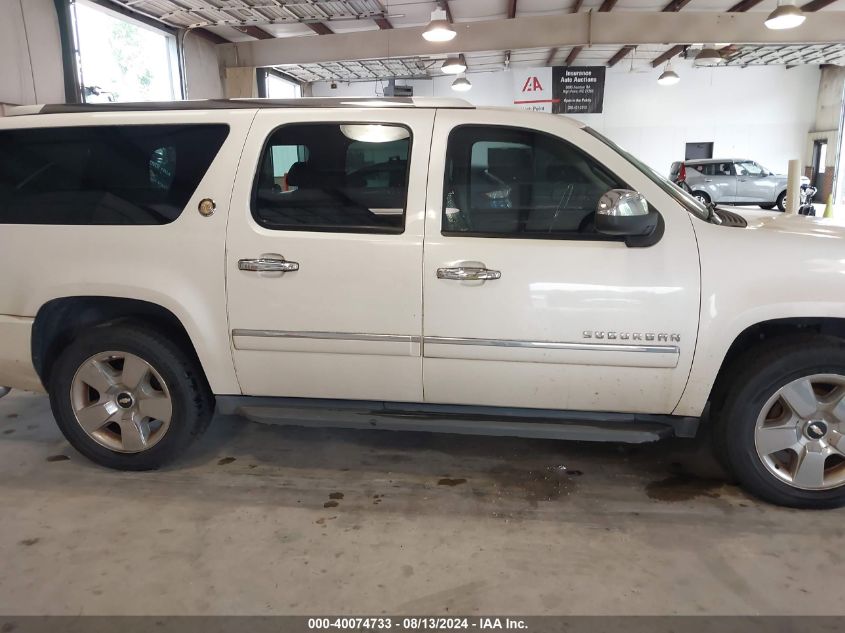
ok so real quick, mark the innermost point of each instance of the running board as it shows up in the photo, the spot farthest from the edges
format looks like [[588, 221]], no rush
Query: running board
[[632, 428]]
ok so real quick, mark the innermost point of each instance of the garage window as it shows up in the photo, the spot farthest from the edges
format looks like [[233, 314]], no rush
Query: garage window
[[507, 182], [140, 174], [350, 178]]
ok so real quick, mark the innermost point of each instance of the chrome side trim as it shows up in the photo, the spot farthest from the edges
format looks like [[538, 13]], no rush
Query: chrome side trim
[[331, 336], [588, 347]]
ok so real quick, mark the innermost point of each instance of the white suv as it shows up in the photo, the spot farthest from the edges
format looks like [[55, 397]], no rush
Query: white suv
[[406, 264]]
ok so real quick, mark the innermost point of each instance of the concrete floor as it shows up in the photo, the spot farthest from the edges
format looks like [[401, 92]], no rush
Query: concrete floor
[[271, 520]]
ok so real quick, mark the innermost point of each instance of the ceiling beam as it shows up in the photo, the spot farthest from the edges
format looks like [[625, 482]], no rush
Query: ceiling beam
[[619, 28], [444, 4], [319, 28], [576, 50], [739, 7], [619, 55], [211, 36], [511, 9], [815, 5], [672, 7], [575, 8], [607, 5], [254, 31], [383, 23]]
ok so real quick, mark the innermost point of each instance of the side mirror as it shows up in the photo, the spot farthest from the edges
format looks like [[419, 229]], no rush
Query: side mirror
[[625, 212]]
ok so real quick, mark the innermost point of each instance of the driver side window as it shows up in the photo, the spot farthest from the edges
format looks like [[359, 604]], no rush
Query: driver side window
[[509, 182]]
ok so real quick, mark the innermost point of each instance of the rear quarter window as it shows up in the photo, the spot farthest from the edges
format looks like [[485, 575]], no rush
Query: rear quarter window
[[103, 175]]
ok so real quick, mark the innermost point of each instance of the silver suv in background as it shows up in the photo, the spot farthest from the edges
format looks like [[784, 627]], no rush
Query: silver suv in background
[[731, 181]]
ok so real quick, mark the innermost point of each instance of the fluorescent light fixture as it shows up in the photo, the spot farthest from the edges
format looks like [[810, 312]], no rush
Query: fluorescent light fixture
[[439, 29], [668, 78], [454, 65], [708, 57], [786, 16], [372, 133], [461, 84]]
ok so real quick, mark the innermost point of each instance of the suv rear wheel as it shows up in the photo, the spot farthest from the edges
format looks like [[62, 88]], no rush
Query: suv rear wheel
[[127, 398], [702, 197], [781, 430]]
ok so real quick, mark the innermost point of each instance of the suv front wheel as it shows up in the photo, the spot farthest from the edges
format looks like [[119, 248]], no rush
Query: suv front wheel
[[781, 429], [128, 398]]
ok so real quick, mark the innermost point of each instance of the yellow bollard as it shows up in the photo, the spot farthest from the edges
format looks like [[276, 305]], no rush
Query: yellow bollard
[[828, 208]]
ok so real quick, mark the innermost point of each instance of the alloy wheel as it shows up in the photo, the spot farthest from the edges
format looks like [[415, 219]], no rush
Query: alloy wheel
[[121, 402], [800, 433]]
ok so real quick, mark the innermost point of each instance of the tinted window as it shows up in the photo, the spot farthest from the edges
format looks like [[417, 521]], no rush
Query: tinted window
[[518, 183], [716, 169], [130, 174], [350, 178]]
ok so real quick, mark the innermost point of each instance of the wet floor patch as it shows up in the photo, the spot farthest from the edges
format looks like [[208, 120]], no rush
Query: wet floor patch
[[336, 495], [535, 484], [449, 481], [225, 460], [58, 458], [683, 487]]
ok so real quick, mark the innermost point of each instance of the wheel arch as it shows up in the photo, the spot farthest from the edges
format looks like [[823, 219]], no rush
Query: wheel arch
[[60, 320], [765, 333]]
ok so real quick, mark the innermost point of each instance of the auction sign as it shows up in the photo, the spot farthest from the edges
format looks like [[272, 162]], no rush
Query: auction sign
[[559, 89], [577, 89]]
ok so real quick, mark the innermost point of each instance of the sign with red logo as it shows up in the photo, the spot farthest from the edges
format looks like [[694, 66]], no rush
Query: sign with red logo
[[561, 89]]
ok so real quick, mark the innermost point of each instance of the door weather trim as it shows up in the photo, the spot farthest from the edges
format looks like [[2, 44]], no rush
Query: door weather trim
[[588, 347], [331, 336]]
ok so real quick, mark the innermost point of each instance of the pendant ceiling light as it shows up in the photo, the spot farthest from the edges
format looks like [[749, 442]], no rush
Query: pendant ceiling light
[[708, 57], [461, 84], [439, 29], [786, 16], [454, 65], [669, 77]]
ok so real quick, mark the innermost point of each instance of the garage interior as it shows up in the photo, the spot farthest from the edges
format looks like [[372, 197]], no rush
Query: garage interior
[[271, 520]]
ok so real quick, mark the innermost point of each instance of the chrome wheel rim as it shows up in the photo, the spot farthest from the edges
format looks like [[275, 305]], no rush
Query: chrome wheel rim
[[800, 433], [121, 402]]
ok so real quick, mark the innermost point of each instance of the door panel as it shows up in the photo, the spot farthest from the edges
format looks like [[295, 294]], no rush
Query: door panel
[[752, 185], [581, 324], [348, 322]]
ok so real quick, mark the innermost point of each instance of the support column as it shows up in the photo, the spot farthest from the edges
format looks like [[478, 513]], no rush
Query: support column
[[241, 83]]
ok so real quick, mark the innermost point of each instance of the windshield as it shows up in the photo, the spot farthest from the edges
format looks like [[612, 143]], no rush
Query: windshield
[[686, 200]]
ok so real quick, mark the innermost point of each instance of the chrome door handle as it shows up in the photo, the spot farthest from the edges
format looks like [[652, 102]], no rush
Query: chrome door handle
[[267, 265], [467, 273]]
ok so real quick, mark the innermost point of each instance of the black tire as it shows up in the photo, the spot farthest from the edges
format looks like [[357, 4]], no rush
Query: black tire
[[190, 395], [768, 206], [702, 195], [781, 201], [759, 374]]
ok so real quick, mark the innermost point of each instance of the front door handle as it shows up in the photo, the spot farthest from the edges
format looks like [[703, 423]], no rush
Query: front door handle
[[468, 273], [268, 265]]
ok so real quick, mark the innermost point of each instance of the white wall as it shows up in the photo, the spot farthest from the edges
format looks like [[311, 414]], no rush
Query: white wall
[[30, 53], [202, 71], [763, 113]]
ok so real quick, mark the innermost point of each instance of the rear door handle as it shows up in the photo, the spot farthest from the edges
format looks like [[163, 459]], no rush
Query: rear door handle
[[268, 265], [468, 273]]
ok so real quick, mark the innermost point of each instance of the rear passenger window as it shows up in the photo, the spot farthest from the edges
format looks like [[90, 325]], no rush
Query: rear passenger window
[[350, 178], [102, 175], [506, 182]]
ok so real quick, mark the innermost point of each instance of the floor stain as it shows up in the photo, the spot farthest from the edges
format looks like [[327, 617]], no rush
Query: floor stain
[[58, 458], [12, 416], [225, 460], [336, 495], [330, 504], [535, 484], [8, 431], [448, 481], [683, 487], [29, 542]]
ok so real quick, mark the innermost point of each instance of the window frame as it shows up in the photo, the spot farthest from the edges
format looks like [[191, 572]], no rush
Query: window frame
[[329, 229], [573, 237]]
